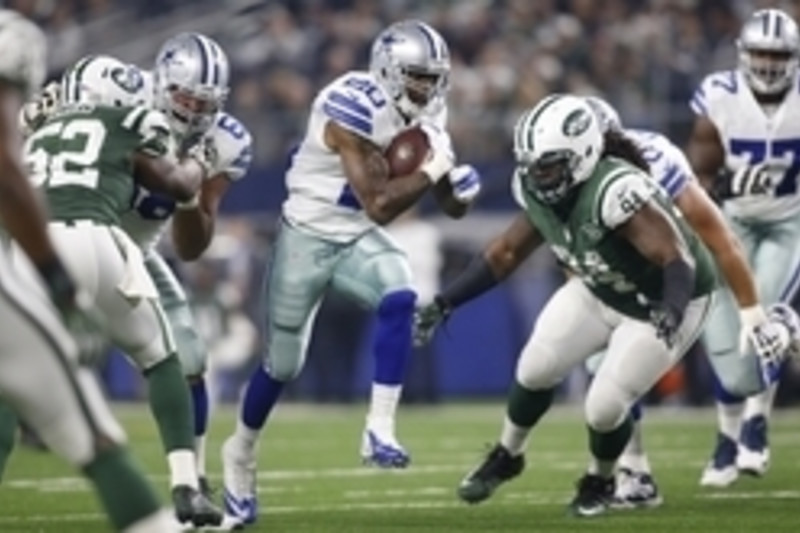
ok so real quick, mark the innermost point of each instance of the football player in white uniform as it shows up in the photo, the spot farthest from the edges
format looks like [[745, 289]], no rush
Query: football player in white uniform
[[39, 375], [190, 80], [745, 145], [669, 166], [330, 236]]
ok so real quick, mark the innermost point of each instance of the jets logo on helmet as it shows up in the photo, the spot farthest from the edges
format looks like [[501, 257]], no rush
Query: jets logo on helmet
[[557, 145], [191, 79], [769, 45], [411, 61], [103, 80]]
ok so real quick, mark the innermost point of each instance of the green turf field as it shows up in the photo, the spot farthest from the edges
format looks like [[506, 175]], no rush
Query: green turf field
[[311, 481]]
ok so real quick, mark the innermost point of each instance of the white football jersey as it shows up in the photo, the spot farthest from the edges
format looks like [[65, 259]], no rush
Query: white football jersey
[[320, 197], [24, 47], [145, 223], [751, 135], [668, 164]]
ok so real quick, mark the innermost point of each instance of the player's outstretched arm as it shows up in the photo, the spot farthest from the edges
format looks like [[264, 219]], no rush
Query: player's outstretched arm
[[504, 254], [178, 180], [368, 174], [707, 220]]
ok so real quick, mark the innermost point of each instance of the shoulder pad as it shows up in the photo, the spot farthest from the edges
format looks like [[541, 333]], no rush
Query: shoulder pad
[[356, 102], [668, 164], [714, 88], [623, 193], [153, 129], [234, 146]]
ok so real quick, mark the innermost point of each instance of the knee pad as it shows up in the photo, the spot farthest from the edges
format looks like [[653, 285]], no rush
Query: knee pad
[[606, 406], [191, 349]]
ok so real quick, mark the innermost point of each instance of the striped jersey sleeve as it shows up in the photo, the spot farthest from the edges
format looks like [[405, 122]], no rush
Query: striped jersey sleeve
[[153, 131]]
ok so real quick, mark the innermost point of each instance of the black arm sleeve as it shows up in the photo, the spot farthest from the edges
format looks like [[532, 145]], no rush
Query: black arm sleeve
[[678, 284], [474, 281]]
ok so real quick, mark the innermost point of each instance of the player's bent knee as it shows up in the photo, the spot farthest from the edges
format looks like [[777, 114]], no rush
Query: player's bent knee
[[606, 406], [286, 354], [537, 367]]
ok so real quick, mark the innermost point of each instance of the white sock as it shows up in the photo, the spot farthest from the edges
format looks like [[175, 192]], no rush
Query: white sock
[[513, 437], [761, 403], [182, 468], [159, 522], [729, 418], [633, 456], [200, 454], [245, 438], [383, 407]]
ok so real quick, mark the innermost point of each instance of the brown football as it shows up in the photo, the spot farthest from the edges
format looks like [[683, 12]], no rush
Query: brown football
[[407, 152]]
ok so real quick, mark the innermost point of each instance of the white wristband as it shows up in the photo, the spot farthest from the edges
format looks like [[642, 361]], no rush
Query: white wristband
[[437, 166], [190, 204], [752, 316]]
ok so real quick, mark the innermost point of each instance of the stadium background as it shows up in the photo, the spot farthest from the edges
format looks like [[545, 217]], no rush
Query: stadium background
[[644, 56]]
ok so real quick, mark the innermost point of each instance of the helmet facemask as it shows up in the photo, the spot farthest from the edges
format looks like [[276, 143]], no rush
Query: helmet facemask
[[768, 71], [550, 178], [769, 46]]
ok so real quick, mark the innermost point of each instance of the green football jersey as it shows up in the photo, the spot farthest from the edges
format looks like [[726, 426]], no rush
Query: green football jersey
[[82, 158], [584, 239]]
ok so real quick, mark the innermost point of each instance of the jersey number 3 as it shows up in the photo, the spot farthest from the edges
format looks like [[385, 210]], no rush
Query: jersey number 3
[[77, 166], [757, 151]]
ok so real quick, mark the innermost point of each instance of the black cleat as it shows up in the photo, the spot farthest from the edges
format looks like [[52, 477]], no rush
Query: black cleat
[[498, 467], [595, 495], [192, 506], [205, 488]]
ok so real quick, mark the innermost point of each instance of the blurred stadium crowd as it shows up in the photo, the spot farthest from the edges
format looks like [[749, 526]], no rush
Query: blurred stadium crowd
[[645, 56]]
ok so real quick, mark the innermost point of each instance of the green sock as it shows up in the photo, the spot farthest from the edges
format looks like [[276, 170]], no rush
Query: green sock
[[607, 447], [171, 404], [8, 432], [122, 488], [525, 407]]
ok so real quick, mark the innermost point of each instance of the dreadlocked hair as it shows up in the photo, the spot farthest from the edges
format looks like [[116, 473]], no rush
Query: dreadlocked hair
[[618, 145]]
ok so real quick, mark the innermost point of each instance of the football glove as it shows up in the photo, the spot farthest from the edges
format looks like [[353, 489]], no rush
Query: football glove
[[441, 158], [666, 319], [748, 181], [466, 183], [427, 319], [33, 114]]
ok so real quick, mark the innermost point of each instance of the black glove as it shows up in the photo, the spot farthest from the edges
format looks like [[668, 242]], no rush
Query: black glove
[[666, 319], [427, 319], [60, 286], [746, 181]]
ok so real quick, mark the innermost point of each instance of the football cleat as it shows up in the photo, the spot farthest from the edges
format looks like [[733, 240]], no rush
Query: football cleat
[[239, 481], [594, 496], [382, 451], [192, 507], [753, 452], [496, 468], [635, 490], [721, 471]]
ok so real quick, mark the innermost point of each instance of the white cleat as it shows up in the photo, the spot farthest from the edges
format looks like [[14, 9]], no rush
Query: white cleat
[[382, 450], [635, 490], [721, 471], [239, 484], [753, 452]]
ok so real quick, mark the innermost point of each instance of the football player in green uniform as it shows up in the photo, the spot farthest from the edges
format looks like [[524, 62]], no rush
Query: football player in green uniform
[[642, 287], [39, 376], [89, 157]]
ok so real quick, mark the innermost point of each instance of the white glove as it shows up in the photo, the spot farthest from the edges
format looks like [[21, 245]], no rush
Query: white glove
[[441, 158], [466, 183], [768, 338], [206, 155], [748, 181], [33, 114]]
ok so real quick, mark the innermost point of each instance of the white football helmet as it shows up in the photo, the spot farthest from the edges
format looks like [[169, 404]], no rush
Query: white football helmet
[[411, 61], [606, 114], [557, 145], [769, 45], [103, 80], [191, 77]]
